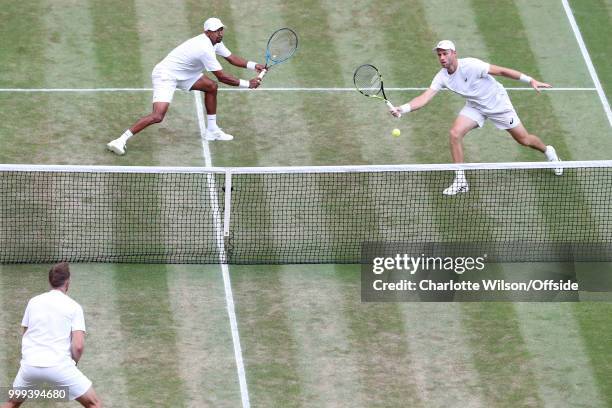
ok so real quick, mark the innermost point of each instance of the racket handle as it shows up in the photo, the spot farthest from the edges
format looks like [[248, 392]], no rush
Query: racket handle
[[390, 105], [262, 73]]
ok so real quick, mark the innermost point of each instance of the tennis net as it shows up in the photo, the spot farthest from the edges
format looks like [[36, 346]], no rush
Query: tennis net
[[515, 211]]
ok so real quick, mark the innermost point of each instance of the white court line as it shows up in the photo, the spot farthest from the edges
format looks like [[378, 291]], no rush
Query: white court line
[[288, 89], [229, 297], [587, 60]]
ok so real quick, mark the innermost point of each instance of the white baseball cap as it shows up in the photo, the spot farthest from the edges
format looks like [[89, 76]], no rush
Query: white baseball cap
[[213, 24], [445, 45]]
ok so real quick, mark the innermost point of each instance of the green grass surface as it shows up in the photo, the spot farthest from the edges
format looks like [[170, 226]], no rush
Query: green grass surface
[[160, 334]]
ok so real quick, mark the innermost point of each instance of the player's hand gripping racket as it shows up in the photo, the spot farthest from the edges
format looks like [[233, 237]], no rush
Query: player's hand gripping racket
[[369, 82], [281, 46]]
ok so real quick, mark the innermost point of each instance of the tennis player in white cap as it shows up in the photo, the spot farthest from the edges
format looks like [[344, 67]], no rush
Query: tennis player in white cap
[[486, 99], [182, 69]]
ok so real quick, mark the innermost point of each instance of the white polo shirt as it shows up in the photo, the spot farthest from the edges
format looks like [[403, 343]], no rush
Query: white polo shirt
[[192, 57], [50, 319], [472, 81]]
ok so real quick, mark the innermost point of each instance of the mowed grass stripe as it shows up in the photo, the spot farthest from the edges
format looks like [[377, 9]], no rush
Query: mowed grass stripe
[[500, 355], [560, 62], [383, 352], [115, 40], [558, 355], [77, 129], [594, 19], [318, 56], [94, 288], [69, 52], [441, 357], [327, 362], [24, 35], [62, 122], [161, 27], [266, 126], [321, 64], [151, 368], [64, 132], [269, 346], [206, 360], [363, 121], [595, 323], [198, 12], [580, 115]]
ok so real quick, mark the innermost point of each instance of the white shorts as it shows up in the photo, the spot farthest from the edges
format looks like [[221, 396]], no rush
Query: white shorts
[[502, 114], [65, 375], [164, 84]]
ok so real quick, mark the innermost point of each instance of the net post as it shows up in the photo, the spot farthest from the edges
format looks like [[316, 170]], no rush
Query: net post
[[228, 203]]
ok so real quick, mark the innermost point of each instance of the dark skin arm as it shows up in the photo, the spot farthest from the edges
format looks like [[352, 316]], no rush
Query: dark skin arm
[[229, 79], [242, 63]]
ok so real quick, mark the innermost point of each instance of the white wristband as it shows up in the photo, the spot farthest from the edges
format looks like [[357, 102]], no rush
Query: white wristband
[[406, 108], [525, 78], [244, 83], [251, 65]]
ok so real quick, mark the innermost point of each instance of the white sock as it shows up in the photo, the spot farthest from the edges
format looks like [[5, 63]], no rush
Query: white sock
[[211, 122], [550, 153], [126, 135], [460, 176]]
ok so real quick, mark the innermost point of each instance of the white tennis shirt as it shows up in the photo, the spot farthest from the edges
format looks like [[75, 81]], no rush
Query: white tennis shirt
[[472, 81], [50, 319], [192, 57]]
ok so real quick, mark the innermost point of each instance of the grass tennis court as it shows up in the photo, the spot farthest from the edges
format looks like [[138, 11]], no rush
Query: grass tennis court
[[160, 335]]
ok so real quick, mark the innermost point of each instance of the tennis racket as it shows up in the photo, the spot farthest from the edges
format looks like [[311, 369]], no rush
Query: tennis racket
[[369, 82], [281, 46]]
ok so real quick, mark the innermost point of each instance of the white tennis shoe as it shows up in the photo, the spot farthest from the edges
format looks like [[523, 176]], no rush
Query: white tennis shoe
[[116, 146], [217, 134], [456, 188], [551, 155]]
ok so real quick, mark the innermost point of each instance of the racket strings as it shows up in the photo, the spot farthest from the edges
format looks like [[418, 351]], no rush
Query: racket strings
[[367, 80], [282, 45]]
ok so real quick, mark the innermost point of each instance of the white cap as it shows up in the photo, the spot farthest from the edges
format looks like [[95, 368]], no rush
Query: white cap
[[213, 24], [445, 45]]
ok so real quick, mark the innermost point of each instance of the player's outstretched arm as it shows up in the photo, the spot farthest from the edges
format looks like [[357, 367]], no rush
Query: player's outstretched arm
[[233, 81], [242, 63], [416, 103], [519, 76]]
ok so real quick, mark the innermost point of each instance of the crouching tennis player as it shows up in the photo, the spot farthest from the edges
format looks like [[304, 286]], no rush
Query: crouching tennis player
[[182, 69], [486, 99], [53, 342]]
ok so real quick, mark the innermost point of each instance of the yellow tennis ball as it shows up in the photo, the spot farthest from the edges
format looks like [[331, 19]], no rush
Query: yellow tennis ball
[[395, 132]]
